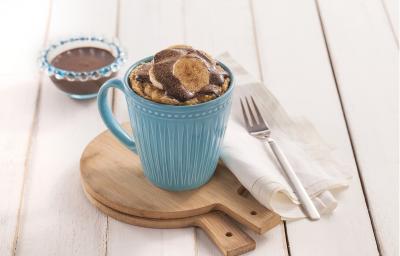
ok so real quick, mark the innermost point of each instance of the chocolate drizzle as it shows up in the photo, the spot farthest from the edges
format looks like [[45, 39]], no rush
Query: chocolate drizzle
[[142, 74], [211, 89], [160, 73]]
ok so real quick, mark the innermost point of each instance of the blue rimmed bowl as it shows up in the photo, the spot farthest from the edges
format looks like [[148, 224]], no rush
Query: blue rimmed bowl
[[83, 84]]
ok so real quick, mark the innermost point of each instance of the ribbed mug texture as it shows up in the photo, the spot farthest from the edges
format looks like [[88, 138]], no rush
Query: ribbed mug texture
[[178, 146]]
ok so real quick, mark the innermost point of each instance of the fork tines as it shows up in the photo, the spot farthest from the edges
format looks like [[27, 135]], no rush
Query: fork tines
[[254, 125]]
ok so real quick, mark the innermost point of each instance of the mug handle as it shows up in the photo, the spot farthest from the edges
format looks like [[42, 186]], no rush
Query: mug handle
[[107, 115]]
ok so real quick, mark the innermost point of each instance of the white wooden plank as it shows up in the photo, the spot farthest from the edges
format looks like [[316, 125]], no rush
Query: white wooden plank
[[218, 26], [145, 28], [155, 25], [56, 217], [20, 44], [226, 25], [392, 9], [296, 69], [126, 239], [271, 243], [14, 139], [365, 60], [18, 91]]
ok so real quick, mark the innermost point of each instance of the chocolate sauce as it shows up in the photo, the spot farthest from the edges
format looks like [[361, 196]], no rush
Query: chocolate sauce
[[162, 69], [82, 59], [142, 74], [172, 85], [216, 79], [210, 89]]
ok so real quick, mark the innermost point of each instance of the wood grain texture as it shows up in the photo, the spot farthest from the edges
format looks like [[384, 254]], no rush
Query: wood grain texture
[[217, 31], [365, 60], [19, 84], [297, 70], [233, 240], [294, 67], [56, 218], [113, 175], [230, 239], [157, 25]]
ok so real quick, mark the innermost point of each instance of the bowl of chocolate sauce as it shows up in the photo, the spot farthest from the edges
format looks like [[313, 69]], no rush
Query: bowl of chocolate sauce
[[79, 66]]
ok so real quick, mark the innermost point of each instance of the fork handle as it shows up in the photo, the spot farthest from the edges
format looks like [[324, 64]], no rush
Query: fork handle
[[301, 193]]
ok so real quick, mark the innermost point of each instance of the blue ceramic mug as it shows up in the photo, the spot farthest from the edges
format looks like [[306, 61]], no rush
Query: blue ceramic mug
[[178, 146]]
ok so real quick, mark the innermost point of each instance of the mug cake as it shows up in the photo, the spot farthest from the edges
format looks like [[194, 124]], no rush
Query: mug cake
[[180, 75]]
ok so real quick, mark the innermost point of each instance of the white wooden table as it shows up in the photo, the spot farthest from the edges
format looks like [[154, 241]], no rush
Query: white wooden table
[[334, 62]]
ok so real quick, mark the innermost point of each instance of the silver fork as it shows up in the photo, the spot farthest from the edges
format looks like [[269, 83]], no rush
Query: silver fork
[[259, 129]]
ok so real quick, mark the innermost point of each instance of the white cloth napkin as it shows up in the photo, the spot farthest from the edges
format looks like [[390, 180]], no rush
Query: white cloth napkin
[[255, 165]]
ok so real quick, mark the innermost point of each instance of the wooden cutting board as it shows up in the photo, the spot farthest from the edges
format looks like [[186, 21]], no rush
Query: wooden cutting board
[[112, 176], [229, 239]]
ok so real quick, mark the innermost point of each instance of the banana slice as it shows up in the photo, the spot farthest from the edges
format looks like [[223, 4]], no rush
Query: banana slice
[[192, 72], [154, 80]]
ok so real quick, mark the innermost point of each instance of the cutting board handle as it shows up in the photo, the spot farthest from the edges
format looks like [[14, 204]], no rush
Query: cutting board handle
[[228, 237], [247, 211]]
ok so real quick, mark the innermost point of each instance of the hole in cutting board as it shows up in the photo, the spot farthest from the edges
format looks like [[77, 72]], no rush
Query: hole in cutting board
[[228, 234], [253, 213]]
